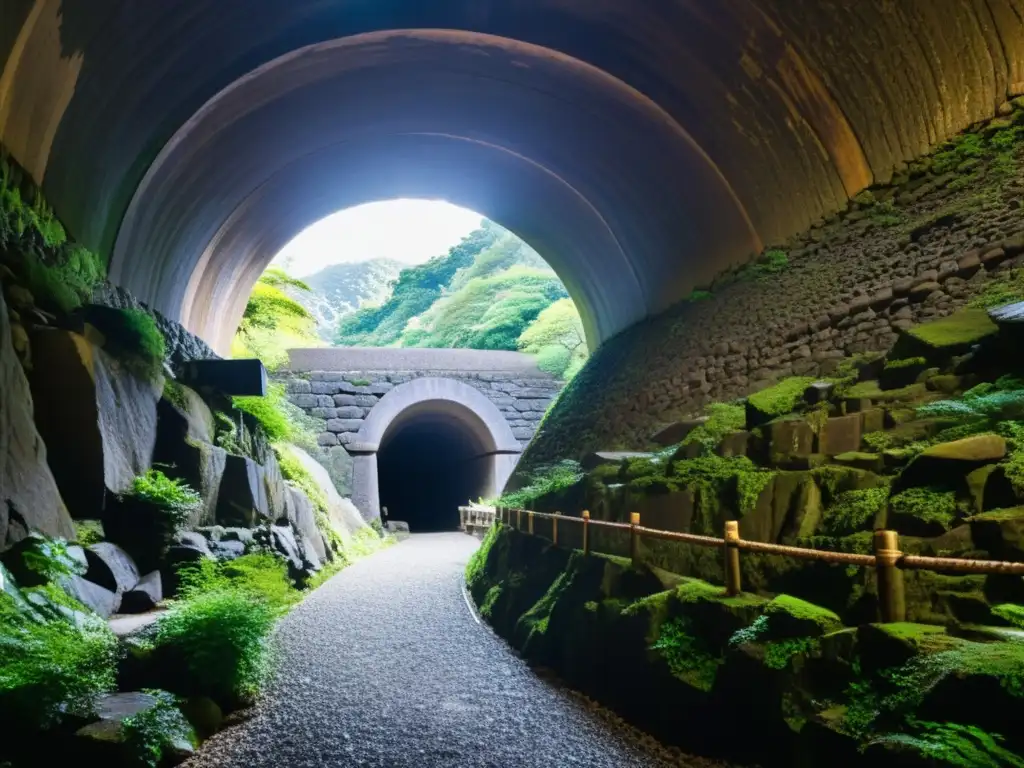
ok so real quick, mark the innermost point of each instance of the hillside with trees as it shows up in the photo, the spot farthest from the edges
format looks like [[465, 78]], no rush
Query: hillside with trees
[[341, 289], [491, 291]]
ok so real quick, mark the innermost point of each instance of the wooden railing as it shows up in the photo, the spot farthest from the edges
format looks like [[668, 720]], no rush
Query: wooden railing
[[476, 516], [887, 561]]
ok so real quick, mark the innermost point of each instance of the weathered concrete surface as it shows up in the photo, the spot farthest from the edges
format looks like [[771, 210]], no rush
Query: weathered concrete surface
[[723, 127], [513, 364]]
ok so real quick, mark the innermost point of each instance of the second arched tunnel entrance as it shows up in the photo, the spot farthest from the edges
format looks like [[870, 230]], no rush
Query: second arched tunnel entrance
[[432, 460]]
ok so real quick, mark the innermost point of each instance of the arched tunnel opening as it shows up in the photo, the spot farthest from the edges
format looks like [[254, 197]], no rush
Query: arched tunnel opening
[[433, 459]]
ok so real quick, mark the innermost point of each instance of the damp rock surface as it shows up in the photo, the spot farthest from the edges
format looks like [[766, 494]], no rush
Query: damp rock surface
[[385, 665]]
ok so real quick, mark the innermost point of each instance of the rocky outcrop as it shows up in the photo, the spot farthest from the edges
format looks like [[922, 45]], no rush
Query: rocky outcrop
[[342, 514], [29, 499], [98, 419]]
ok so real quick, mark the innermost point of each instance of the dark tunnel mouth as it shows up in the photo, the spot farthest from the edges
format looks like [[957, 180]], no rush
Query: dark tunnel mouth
[[428, 465]]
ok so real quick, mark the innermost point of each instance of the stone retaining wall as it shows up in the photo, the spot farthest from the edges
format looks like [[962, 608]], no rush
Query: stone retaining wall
[[344, 399], [914, 250]]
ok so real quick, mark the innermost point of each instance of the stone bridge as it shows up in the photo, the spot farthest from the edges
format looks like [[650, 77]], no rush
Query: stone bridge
[[449, 424]]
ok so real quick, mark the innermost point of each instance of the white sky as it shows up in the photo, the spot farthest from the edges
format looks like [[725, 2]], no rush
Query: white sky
[[410, 231]]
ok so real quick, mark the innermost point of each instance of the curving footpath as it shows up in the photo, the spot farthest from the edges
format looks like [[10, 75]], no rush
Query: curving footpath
[[385, 665]]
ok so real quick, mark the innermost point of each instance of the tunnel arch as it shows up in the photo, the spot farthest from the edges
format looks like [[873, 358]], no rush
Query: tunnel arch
[[432, 401], [693, 132]]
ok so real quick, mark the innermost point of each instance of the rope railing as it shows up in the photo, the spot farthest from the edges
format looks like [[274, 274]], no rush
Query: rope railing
[[888, 560]]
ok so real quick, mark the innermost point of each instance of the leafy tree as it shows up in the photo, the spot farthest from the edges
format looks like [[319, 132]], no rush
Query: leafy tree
[[414, 292], [273, 322], [491, 312], [556, 337]]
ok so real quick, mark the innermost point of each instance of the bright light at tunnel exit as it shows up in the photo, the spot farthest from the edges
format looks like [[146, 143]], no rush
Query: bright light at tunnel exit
[[409, 231]]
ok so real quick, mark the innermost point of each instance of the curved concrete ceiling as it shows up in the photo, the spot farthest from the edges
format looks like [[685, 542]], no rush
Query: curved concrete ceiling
[[640, 147]]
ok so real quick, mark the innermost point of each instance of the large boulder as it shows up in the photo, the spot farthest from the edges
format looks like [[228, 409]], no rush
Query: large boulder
[[342, 514], [29, 499], [999, 532], [185, 450], [111, 567], [106, 741], [242, 499], [947, 464], [98, 418], [941, 340]]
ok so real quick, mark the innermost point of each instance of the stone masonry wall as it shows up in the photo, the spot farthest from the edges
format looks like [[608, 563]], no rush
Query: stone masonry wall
[[913, 250], [344, 399]]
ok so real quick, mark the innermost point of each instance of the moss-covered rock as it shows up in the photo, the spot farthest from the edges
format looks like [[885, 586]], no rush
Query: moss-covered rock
[[939, 341], [922, 511], [872, 462], [947, 464], [789, 617], [776, 400], [1000, 532]]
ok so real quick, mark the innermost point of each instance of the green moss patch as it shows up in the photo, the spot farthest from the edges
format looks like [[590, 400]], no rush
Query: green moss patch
[[923, 511], [779, 399], [937, 341], [854, 511]]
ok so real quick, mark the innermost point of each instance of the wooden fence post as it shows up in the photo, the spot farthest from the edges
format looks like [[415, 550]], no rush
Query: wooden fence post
[[586, 532], [519, 519], [634, 537], [733, 579], [554, 529], [891, 598], [529, 522]]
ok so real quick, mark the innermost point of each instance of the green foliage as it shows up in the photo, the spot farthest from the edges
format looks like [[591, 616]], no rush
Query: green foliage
[[909, 362], [51, 668], [133, 337], [687, 657], [490, 312], [781, 398], [174, 393], [854, 511], [749, 486], [956, 150], [546, 479], [1006, 288], [66, 280], [1011, 613], [220, 641], [174, 497], [980, 404], [48, 558], [269, 411], [24, 213], [884, 213], [722, 418], [698, 295], [88, 532], [263, 576], [778, 653], [415, 290], [273, 321], [953, 744], [556, 338], [930, 505], [152, 733], [771, 262]]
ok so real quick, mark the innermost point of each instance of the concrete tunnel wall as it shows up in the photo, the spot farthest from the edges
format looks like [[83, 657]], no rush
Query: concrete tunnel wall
[[640, 147]]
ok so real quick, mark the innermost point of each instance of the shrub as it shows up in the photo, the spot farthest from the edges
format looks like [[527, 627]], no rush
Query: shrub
[[268, 411], [174, 497], [217, 644], [929, 505], [854, 511], [151, 734], [264, 576], [545, 480], [40, 560], [52, 668]]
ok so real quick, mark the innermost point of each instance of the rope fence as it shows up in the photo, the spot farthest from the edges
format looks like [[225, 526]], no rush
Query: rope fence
[[888, 560]]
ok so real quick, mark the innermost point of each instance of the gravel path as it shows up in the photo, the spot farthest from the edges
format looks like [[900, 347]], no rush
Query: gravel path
[[385, 665]]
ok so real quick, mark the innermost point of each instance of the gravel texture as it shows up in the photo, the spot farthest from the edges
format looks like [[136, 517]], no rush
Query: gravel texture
[[385, 665]]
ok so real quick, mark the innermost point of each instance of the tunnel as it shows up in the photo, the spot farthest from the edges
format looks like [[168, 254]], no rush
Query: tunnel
[[434, 458], [641, 148]]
